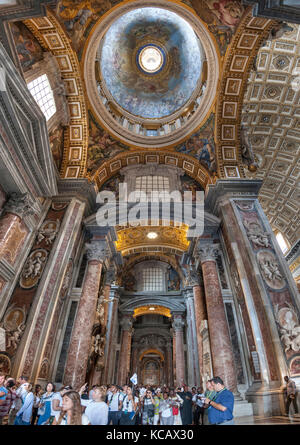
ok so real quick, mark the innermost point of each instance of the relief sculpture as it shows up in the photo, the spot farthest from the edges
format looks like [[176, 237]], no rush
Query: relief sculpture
[[33, 268]]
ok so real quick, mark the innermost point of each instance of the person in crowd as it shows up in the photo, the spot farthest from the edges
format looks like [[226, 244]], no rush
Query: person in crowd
[[21, 393], [44, 408], [220, 409], [291, 395], [71, 411], [114, 401], [3, 390], [209, 394], [158, 397], [148, 408], [96, 409], [165, 410], [24, 414], [138, 416], [176, 402], [129, 406], [37, 397], [198, 400], [56, 404], [186, 408], [5, 406]]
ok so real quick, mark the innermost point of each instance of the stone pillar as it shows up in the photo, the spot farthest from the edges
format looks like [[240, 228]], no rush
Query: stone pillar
[[76, 366], [134, 358], [110, 329], [200, 315], [13, 230], [177, 326], [123, 366], [192, 350], [221, 348], [170, 364]]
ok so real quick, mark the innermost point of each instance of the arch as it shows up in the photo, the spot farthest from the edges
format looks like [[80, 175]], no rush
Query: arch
[[154, 351], [153, 257], [53, 38], [191, 166], [145, 300], [145, 310], [238, 61]]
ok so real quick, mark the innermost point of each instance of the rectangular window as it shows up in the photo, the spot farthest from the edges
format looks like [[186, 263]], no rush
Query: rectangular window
[[41, 91], [152, 279], [153, 186]]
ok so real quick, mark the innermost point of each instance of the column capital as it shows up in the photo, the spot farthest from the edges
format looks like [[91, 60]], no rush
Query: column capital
[[20, 204], [126, 323], [178, 323], [96, 251], [207, 252]]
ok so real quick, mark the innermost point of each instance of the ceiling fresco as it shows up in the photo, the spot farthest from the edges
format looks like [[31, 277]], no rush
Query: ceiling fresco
[[151, 95]]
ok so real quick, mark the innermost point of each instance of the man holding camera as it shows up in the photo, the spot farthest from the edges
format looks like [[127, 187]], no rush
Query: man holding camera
[[220, 409]]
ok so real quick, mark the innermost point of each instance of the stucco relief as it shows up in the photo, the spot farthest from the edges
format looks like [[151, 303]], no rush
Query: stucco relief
[[48, 231], [33, 268], [270, 270]]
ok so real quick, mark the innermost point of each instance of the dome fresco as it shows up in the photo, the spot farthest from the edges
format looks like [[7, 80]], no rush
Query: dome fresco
[[161, 40]]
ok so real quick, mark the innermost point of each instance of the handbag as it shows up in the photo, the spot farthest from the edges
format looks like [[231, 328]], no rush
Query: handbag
[[175, 410]]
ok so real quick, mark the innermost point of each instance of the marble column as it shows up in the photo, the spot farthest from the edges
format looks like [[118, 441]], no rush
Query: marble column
[[76, 366], [178, 325], [200, 315], [13, 230], [221, 348], [126, 324], [192, 351], [170, 364], [110, 329], [134, 358]]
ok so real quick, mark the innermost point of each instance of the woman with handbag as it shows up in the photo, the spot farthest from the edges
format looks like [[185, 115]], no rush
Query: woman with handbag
[[176, 402], [44, 410], [129, 406], [148, 408]]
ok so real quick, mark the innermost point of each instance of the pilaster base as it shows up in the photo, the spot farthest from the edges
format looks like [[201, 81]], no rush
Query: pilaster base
[[266, 401], [242, 408]]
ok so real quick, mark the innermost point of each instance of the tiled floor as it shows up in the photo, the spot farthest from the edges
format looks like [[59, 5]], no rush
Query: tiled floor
[[275, 420]]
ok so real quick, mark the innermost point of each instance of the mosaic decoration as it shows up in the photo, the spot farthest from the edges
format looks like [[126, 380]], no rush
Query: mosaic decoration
[[151, 96], [28, 48], [201, 145], [101, 147]]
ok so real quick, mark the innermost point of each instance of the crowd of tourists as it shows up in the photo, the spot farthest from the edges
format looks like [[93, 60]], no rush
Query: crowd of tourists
[[21, 404]]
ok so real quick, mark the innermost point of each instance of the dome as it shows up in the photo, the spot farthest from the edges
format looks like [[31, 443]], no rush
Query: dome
[[151, 61]]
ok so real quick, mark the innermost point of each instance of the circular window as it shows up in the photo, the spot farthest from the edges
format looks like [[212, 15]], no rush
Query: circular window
[[150, 59]]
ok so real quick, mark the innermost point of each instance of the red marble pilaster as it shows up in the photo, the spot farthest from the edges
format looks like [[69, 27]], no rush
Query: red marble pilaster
[[109, 337], [200, 314], [221, 348], [177, 326], [75, 371], [126, 324]]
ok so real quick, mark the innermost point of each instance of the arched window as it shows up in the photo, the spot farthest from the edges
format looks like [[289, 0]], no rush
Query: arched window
[[41, 91], [153, 186], [282, 242]]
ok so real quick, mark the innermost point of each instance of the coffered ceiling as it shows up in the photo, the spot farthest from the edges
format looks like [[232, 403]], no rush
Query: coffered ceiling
[[271, 111]]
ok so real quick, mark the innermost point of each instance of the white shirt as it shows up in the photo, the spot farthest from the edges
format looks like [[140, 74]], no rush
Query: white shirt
[[197, 398], [21, 393], [26, 410], [56, 396], [84, 420], [97, 412], [127, 404], [113, 401]]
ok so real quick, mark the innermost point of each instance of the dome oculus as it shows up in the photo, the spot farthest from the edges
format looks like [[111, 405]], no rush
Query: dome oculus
[[150, 59]]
